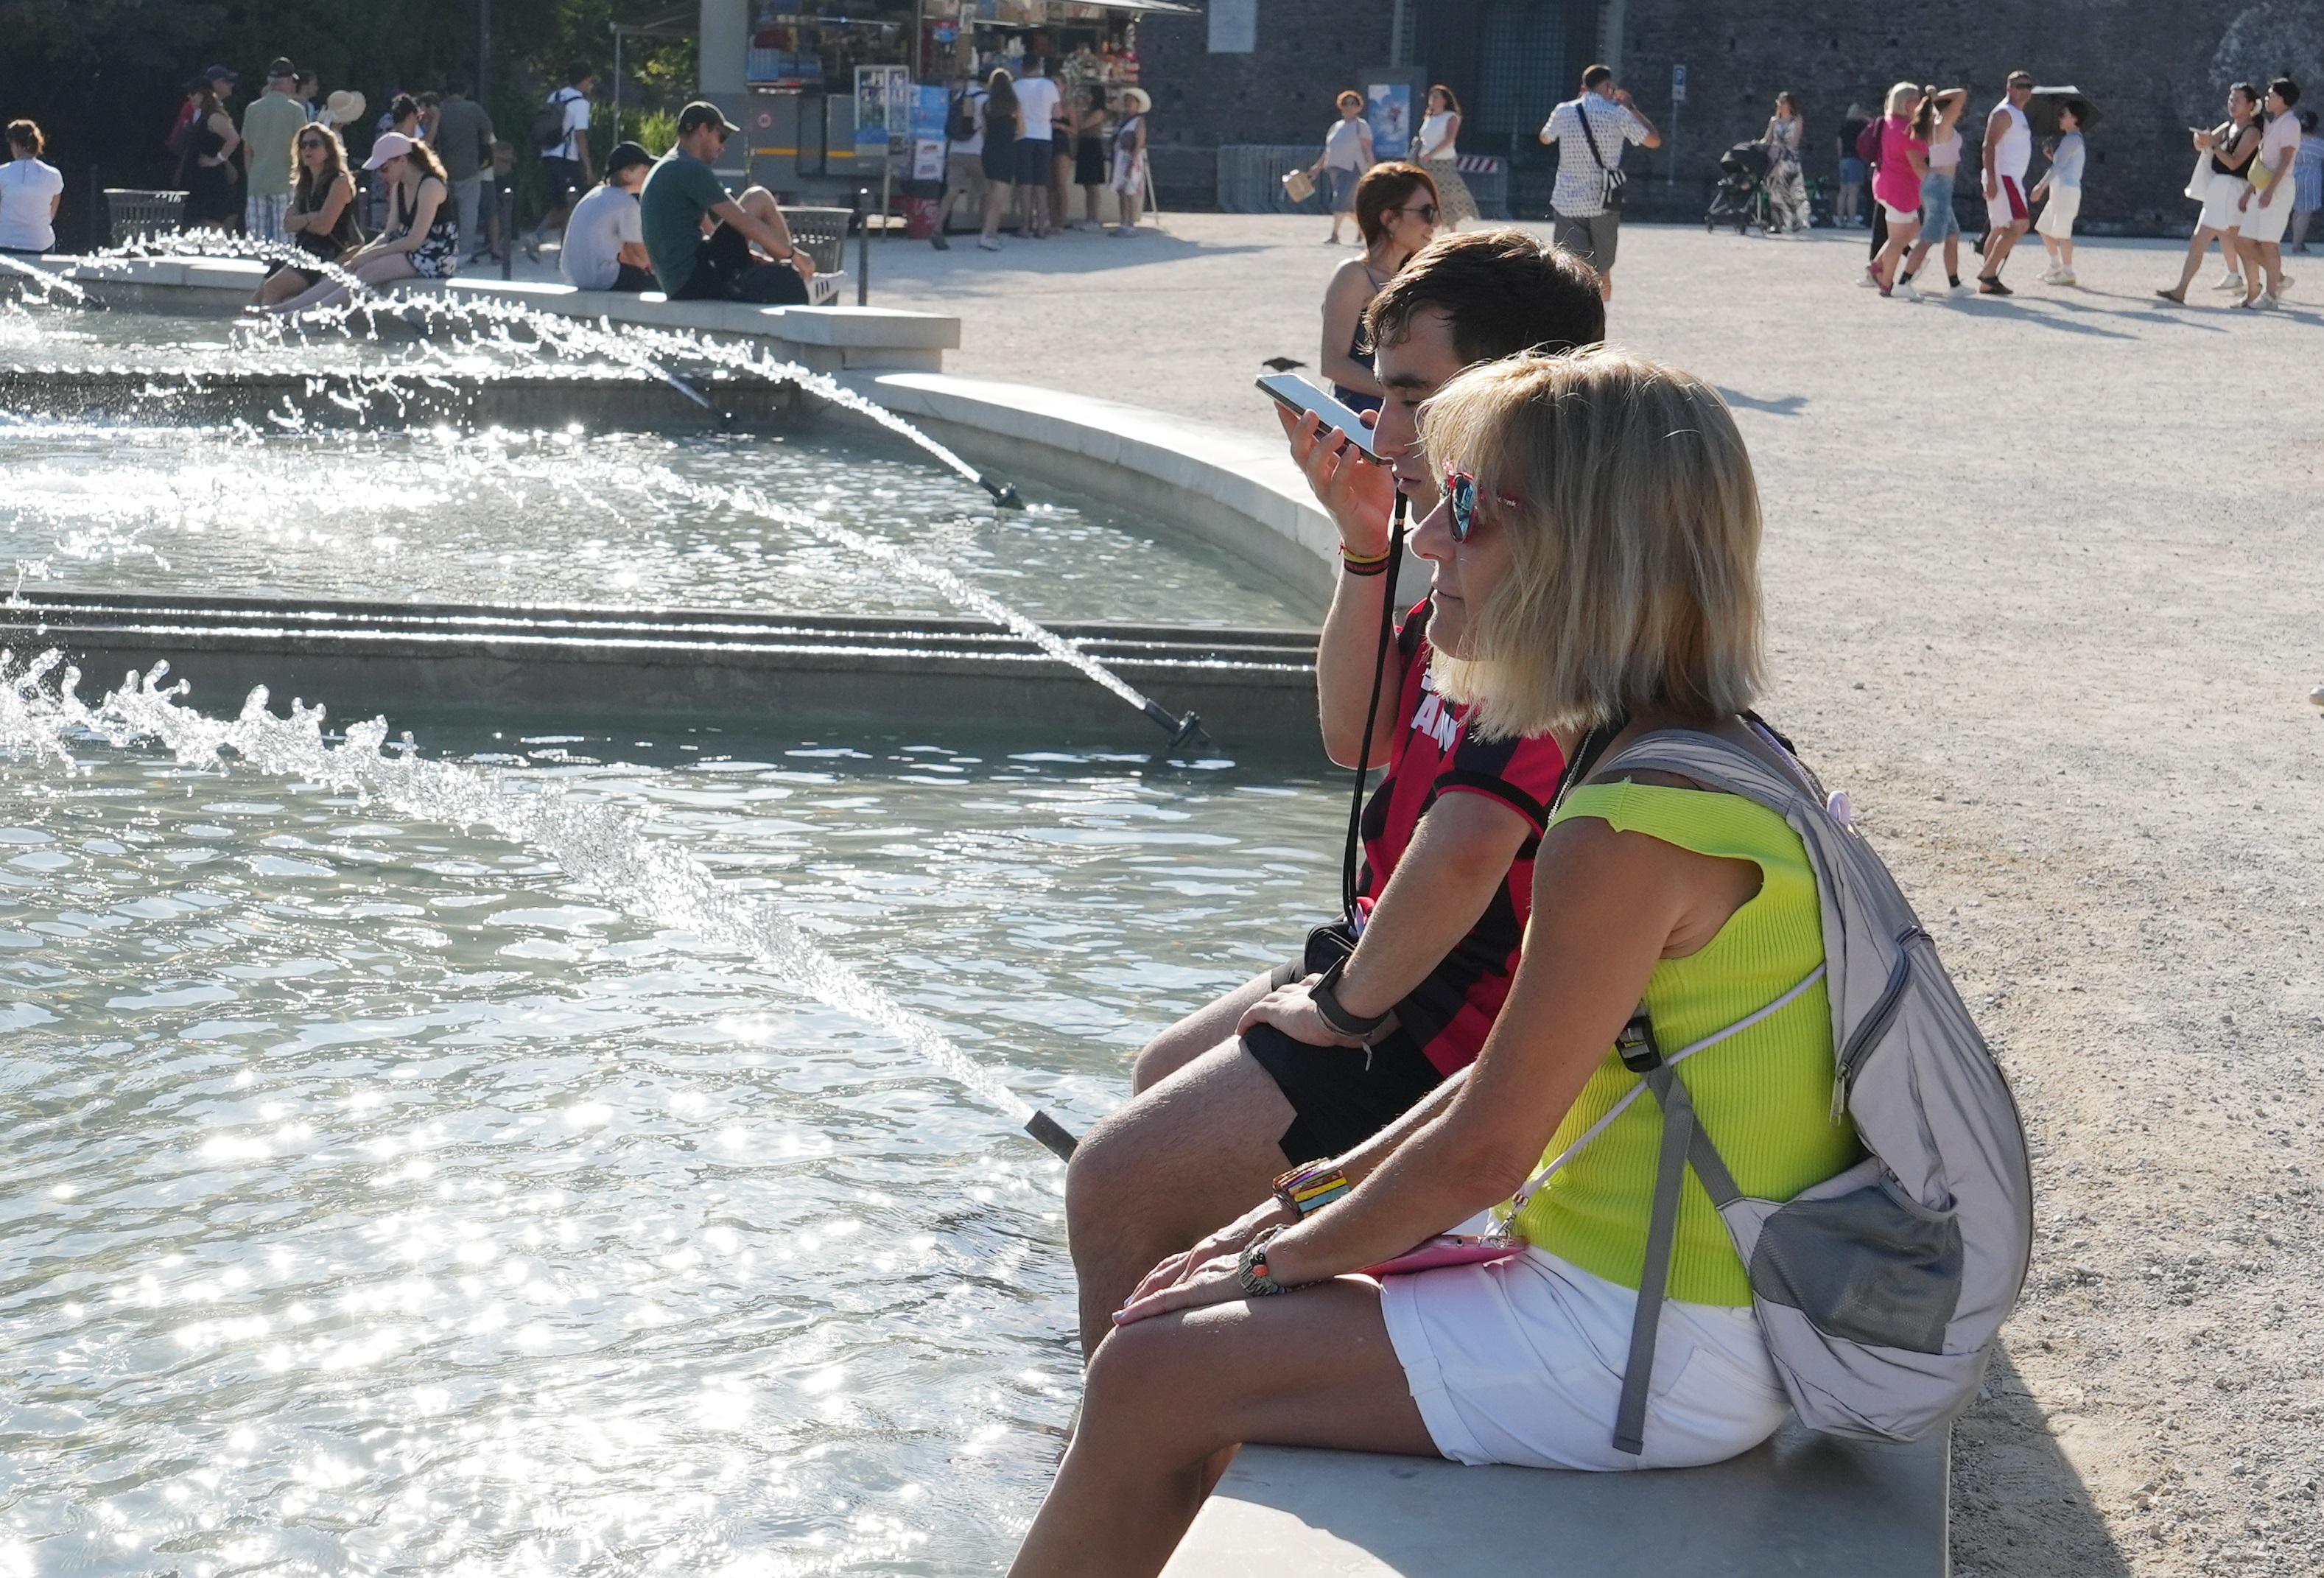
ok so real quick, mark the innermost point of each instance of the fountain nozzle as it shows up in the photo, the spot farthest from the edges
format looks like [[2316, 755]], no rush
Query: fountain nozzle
[[1005, 496], [1051, 1134], [1181, 729]]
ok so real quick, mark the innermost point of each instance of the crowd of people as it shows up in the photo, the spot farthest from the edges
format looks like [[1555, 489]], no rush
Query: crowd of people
[[1017, 146], [2247, 178]]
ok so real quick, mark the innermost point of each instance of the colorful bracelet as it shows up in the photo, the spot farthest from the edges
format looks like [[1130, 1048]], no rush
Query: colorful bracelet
[[1308, 1188], [1356, 564]]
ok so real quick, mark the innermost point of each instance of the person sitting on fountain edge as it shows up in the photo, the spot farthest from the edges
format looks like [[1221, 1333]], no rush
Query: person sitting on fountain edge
[[700, 239], [1260, 1079]]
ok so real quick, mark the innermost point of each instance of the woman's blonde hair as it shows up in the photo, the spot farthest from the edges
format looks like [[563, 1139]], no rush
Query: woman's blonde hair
[[1900, 95], [1633, 539]]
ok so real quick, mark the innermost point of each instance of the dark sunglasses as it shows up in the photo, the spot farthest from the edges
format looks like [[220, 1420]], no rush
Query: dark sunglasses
[[1428, 211], [309, 145], [1461, 499]]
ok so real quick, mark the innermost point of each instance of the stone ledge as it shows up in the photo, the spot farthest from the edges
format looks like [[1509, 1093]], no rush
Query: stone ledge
[[1800, 1504]]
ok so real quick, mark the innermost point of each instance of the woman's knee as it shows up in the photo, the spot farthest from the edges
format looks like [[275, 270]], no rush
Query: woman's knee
[[1158, 1379]]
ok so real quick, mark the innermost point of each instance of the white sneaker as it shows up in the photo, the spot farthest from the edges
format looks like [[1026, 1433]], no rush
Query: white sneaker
[[988, 243], [2264, 301], [1867, 279], [1904, 291], [2065, 277], [2230, 281], [1963, 288]]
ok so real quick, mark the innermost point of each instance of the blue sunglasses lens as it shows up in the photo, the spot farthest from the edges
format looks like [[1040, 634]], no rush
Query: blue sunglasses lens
[[1462, 490]]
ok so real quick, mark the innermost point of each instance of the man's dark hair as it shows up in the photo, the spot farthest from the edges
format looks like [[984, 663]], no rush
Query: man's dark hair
[[1504, 291], [2286, 89], [578, 72], [1595, 75], [457, 87]]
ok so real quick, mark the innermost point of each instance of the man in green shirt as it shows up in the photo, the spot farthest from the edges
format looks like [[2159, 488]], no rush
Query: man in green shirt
[[700, 239], [463, 141], [268, 128]]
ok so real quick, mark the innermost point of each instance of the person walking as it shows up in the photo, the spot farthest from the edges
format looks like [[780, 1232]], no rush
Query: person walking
[[604, 242], [211, 145], [1063, 126], [1395, 214], [1347, 154], [1437, 151], [31, 192], [422, 238], [1036, 108], [560, 130], [2227, 151], [1129, 158], [998, 114], [321, 218], [2061, 187], [963, 159], [1090, 162], [1589, 132], [1787, 188], [2307, 179], [1847, 202], [463, 139], [269, 128], [2008, 153], [2265, 207], [1938, 124], [682, 195], [1896, 186]]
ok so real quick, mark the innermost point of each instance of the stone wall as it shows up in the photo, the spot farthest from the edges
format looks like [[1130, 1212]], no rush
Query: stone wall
[[2153, 66]]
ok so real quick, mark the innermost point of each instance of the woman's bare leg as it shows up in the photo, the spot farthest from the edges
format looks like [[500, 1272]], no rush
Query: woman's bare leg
[[2196, 246], [1313, 1368]]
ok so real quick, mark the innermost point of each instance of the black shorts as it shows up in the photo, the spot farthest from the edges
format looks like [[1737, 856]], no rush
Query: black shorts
[[1339, 1096], [563, 178], [725, 268]]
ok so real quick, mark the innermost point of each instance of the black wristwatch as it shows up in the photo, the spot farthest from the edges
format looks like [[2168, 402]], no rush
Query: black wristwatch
[[1328, 1008]]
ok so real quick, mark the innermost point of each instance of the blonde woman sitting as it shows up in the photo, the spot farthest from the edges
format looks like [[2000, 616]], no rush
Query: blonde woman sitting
[[1596, 551]]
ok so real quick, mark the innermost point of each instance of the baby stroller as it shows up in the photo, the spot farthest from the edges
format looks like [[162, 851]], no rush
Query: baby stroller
[[1741, 197]]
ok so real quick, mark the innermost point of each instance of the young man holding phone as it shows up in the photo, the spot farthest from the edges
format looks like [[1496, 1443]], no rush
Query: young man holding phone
[[1285, 1069]]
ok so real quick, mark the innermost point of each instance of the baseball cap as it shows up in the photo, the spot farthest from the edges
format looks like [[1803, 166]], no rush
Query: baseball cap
[[280, 66], [625, 154], [388, 145], [220, 74], [702, 113]]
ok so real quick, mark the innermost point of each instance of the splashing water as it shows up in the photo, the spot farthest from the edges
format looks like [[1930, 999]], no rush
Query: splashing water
[[608, 848]]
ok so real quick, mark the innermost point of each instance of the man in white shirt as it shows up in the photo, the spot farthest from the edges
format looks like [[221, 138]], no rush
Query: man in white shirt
[[604, 242], [2267, 198], [565, 162], [1590, 132], [1036, 101], [2008, 151]]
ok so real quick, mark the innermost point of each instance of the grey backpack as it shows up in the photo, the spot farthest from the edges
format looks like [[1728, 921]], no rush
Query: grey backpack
[[1879, 1291]]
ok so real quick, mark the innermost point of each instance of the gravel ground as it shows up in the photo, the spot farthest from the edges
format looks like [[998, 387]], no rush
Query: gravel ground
[[2042, 582]]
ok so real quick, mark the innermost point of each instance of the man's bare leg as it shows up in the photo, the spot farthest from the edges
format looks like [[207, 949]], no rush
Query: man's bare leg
[[1194, 1035]]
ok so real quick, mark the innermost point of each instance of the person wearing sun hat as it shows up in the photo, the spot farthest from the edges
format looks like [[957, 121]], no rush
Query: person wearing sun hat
[[1128, 181], [422, 238], [682, 190]]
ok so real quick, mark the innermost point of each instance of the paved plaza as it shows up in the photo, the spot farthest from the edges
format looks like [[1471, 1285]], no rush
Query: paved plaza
[[2043, 579]]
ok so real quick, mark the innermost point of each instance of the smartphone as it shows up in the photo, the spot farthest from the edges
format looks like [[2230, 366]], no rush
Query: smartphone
[[1297, 396]]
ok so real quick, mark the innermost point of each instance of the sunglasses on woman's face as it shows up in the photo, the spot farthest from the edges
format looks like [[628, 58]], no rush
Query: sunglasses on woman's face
[[1460, 500], [1427, 212]]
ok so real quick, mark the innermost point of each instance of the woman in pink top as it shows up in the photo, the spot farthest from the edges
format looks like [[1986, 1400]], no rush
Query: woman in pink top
[[1896, 186]]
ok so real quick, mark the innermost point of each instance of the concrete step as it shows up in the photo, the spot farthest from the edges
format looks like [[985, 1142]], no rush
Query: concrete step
[[1801, 1505]]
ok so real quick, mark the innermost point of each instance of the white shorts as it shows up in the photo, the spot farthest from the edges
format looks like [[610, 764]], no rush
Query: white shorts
[[1901, 216], [1520, 1361], [2006, 206], [2057, 220], [2264, 222], [2219, 200]]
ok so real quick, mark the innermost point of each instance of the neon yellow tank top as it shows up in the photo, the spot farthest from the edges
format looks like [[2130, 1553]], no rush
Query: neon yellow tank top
[[1765, 1096]]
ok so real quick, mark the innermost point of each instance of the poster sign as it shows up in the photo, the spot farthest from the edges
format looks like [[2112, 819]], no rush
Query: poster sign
[[1678, 85], [930, 104], [1387, 106]]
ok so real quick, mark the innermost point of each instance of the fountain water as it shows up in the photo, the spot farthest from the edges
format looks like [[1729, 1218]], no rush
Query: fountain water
[[609, 849]]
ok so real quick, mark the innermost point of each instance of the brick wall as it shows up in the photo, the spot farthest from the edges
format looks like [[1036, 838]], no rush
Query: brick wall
[[1282, 92], [2154, 66]]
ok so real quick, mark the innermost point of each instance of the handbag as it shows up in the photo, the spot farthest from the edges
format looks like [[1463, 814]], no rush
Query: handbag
[[2199, 185], [1298, 185], [1615, 181]]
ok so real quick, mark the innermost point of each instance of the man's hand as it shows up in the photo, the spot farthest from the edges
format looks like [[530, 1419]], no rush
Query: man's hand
[[1291, 1010], [1992, 187], [1357, 492], [801, 262]]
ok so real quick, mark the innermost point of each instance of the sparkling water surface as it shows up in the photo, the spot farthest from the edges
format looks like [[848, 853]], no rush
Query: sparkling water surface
[[378, 1199]]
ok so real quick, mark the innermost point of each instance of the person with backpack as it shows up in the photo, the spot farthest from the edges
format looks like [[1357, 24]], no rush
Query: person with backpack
[[1720, 984], [964, 157], [560, 135], [1589, 133]]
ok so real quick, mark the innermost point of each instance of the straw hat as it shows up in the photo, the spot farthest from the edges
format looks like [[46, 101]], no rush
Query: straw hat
[[345, 107], [1134, 100]]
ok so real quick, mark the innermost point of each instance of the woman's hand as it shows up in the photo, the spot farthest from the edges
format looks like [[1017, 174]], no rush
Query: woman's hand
[[1227, 1241], [1215, 1281], [1291, 1010], [1357, 492]]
